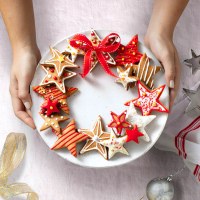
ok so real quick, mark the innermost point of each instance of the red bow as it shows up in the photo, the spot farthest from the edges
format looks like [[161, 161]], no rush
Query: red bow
[[80, 41]]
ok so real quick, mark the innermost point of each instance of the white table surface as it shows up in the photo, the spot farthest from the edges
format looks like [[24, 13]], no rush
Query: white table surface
[[55, 178]]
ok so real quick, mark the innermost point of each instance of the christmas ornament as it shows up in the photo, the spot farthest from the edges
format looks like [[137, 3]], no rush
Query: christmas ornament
[[194, 97], [141, 121], [96, 51], [162, 188], [128, 54], [52, 77], [144, 71], [119, 122], [125, 77], [148, 100], [194, 62], [59, 61], [115, 145], [69, 138], [96, 136], [12, 155]]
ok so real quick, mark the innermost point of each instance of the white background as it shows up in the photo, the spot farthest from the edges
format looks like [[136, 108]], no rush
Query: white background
[[53, 177]]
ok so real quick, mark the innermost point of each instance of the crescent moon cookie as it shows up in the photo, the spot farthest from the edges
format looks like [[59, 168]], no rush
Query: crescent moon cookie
[[96, 136], [59, 61], [53, 93], [115, 145], [125, 77], [52, 121], [148, 100], [144, 71], [69, 139], [52, 77], [119, 123], [141, 121], [129, 54]]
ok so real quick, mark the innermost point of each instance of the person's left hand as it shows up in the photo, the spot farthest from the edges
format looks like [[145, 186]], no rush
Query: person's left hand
[[25, 61]]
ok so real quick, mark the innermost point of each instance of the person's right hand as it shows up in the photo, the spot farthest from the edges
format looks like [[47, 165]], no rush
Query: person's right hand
[[25, 61]]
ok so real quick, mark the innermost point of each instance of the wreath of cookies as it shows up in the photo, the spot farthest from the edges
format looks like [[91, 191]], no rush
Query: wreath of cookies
[[134, 70]]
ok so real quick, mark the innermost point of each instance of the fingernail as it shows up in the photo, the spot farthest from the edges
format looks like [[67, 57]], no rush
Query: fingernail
[[27, 105], [171, 84]]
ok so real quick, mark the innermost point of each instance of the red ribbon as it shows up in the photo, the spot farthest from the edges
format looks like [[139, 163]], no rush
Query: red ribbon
[[80, 41]]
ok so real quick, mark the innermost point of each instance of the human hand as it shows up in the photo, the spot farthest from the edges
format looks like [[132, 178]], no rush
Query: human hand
[[25, 61], [163, 48]]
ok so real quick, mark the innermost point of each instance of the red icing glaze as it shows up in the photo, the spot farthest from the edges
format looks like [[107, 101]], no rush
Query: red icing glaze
[[80, 41], [148, 100], [50, 106], [119, 122], [133, 134], [54, 93], [128, 54]]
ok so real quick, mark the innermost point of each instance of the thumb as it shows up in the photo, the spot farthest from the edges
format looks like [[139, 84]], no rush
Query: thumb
[[23, 93]]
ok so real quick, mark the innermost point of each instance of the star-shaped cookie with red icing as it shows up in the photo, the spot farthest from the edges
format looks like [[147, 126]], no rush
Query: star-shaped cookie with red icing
[[128, 54], [50, 106], [148, 100], [69, 138], [52, 77], [53, 93], [95, 39], [119, 123], [133, 134], [59, 61]]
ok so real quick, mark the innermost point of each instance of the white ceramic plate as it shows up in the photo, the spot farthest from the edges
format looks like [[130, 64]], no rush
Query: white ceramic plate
[[98, 95]]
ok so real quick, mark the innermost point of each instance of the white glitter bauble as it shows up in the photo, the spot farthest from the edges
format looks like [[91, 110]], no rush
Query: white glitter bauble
[[160, 189]]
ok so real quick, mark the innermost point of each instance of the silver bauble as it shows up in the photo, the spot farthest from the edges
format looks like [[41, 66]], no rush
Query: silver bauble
[[160, 189]]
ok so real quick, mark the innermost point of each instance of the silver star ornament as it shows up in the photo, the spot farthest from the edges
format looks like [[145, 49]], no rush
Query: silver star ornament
[[194, 62]]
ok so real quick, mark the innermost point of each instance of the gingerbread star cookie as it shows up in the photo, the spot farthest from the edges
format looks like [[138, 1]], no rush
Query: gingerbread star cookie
[[141, 121], [115, 145], [119, 123], [148, 100], [59, 61], [53, 93], [129, 54], [72, 52], [125, 77], [94, 38], [52, 121], [144, 71], [69, 139], [52, 77], [96, 136]]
